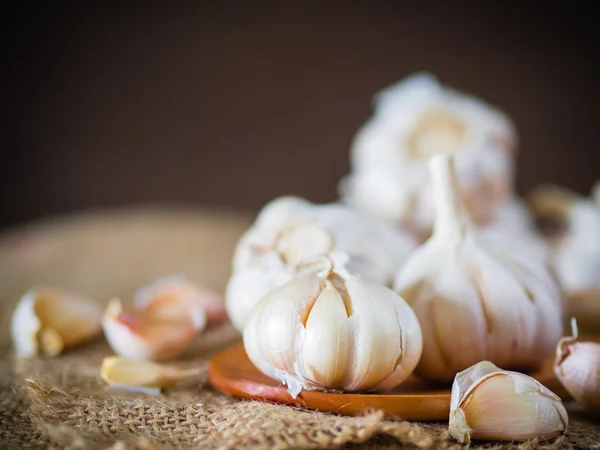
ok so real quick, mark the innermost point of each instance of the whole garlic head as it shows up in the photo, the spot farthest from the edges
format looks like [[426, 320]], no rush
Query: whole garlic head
[[328, 329], [267, 257], [476, 301], [577, 367], [413, 119], [494, 404]]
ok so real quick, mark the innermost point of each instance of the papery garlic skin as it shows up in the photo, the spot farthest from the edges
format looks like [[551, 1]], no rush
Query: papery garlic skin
[[266, 258], [328, 329], [489, 403], [413, 119], [476, 300], [577, 367], [49, 320]]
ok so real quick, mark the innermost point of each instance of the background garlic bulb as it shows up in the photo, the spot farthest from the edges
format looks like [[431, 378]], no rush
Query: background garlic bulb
[[267, 255], [475, 300], [412, 120], [494, 404], [328, 329], [574, 243], [48, 320], [577, 366]]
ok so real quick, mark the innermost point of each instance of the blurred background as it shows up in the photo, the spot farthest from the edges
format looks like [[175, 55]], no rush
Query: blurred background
[[231, 104]]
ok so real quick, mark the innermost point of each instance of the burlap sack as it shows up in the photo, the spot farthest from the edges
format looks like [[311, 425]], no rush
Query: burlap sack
[[60, 402]]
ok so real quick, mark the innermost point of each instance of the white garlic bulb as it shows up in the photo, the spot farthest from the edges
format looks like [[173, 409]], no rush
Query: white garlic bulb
[[267, 255], [574, 249], [577, 367], [476, 300], [328, 329], [413, 119], [489, 403]]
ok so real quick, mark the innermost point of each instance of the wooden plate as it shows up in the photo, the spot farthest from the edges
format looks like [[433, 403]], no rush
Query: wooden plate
[[232, 372]]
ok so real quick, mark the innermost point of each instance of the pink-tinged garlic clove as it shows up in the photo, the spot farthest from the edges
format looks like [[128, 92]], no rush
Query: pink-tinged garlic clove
[[169, 294], [489, 403], [47, 320], [141, 376], [148, 334], [577, 367]]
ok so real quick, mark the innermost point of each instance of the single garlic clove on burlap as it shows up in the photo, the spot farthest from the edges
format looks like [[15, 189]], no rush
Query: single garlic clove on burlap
[[414, 119], [147, 334], [489, 403], [577, 367], [47, 320], [171, 295], [506, 301], [140, 376], [328, 329]]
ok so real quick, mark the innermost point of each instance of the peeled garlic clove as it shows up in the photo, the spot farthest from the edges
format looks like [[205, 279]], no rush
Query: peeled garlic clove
[[143, 334], [328, 329], [414, 119], [489, 403], [175, 295], [577, 367], [504, 296], [140, 376], [48, 320]]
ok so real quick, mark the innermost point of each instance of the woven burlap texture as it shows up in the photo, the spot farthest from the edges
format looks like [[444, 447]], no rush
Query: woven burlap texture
[[61, 403]]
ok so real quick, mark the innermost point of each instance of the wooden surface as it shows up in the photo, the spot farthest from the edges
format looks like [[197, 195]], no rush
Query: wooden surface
[[232, 372]]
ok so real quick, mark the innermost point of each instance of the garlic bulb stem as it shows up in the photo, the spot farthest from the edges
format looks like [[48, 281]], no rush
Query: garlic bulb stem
[[450, 217]]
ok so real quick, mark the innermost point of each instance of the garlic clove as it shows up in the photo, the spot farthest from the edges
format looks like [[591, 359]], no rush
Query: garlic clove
[[147, 334], [304, 241], [577, 367], [493, 404], [140, 376], [48, 320], [325, 350], [174, 296]]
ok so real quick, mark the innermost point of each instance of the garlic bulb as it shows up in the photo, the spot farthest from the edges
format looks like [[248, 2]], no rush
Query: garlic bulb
[[413, 119], [328, 329], [506, 300], [577, 367], [268, 254], [574, 249], [140, 376], [47, 320], [493, 404]]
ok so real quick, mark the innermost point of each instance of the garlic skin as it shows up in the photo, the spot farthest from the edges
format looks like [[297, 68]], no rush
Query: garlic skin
[[505, 298], [48, 320], [146, 334], [489, 403], [267, 257], [413, 119], [328, 329], [140, 376], [577, 367]]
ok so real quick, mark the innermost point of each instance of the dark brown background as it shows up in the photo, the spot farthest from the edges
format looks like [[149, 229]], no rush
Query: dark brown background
[[235, 103]]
